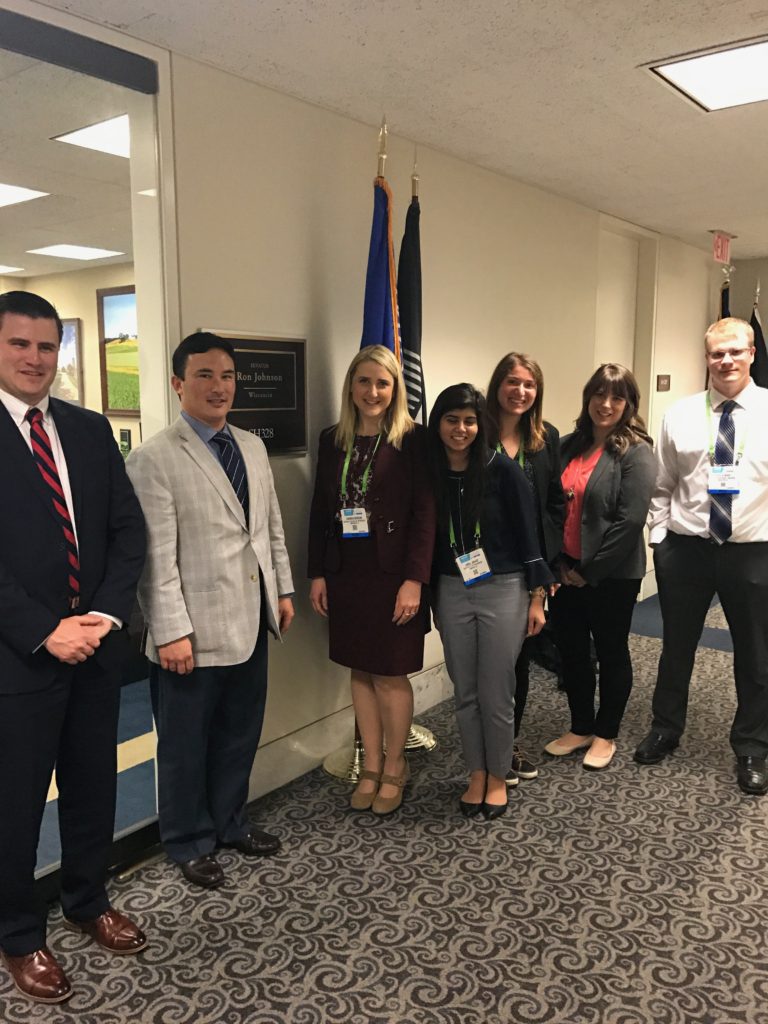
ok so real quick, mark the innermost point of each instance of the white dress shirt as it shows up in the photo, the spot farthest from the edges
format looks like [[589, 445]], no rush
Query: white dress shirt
[[18, 411], [681, 502]]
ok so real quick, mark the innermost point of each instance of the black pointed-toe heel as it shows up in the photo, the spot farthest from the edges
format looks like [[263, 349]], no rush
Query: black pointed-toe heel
[[470, 810], [493, 811]]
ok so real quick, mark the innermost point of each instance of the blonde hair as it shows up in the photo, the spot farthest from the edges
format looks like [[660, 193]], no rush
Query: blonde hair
[[396, 422], [729, 327]]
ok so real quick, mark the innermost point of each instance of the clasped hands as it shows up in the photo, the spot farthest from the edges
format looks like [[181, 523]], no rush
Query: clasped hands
[[76, 638]]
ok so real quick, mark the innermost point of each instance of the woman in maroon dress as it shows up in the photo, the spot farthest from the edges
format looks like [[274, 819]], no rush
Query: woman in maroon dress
[[371, 535]]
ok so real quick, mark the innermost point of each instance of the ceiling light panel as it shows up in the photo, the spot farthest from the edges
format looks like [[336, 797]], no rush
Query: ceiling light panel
[[729, 78], [111, 136], [10, 194], [9, 270], [75, 252]]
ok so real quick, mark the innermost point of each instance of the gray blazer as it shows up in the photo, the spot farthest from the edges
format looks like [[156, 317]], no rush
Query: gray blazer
[[201, 578], [616, 502]]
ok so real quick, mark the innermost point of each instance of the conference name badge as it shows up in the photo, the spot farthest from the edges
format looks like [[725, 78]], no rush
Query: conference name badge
[[354, 522], [723, 480], [473, 566]]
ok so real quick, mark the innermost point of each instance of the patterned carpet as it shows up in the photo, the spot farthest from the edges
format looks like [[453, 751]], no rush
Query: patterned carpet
[[631, 896]]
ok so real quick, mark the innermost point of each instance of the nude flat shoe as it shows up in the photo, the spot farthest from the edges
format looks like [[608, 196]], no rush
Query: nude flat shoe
[[595, 762], [558, 749], [388, 805], [363, 801]]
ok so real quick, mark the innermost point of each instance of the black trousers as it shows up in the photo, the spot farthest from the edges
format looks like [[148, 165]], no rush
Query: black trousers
[[72, 724], [522, 682], [208, 730], [605, 613], [689, 572]]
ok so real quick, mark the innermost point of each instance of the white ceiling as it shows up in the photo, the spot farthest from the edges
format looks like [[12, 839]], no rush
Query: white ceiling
[[89, 201], [551, 92]]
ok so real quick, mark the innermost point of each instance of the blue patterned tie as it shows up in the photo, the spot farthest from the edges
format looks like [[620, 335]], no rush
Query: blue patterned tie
[[720, 525], [233, 467]]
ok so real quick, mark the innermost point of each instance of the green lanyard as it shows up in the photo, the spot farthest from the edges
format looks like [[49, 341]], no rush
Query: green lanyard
[[366, 474], [520, 453], [712, 438], [452, 535]]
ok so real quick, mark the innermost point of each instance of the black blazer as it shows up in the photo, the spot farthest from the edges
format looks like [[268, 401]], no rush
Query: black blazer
[[616, 501], [550, 501], [33, 566], [402, 509]]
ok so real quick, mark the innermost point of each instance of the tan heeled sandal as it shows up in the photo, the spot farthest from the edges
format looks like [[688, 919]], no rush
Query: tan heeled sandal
[[363, 801], [383, 805]]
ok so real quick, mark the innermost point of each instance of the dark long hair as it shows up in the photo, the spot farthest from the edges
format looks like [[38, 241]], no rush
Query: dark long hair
[[532, 427], [619, 382], [458, 396]]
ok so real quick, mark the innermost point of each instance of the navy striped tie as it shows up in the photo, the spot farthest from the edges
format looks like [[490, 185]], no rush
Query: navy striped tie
[[43, 455], [720, 523], [230, 459]]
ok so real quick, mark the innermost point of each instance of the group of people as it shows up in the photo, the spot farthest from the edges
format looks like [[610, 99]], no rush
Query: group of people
[[475, 521]]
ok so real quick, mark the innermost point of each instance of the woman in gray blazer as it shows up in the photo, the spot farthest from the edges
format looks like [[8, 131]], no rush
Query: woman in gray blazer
[[608, 478]]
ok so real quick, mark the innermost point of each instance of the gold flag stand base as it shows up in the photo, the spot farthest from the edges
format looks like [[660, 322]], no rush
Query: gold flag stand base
[[346, 764]]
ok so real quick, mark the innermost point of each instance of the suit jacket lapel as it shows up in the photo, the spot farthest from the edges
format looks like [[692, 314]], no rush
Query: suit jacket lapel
[[15, 447], [211, 467], [604, 464]]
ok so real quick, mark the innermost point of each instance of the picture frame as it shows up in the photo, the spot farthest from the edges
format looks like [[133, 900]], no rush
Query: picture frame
[[68, 383], [119, 350]]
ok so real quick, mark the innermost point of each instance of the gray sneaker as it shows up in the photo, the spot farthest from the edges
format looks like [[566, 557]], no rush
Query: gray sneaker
[[522, 767]]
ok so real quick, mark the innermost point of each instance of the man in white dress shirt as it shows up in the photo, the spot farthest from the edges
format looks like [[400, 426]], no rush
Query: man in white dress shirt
[[709, 531]]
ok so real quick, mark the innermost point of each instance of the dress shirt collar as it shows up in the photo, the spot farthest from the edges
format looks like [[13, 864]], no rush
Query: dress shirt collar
[[203, 431], [18, 409], [744, 398]]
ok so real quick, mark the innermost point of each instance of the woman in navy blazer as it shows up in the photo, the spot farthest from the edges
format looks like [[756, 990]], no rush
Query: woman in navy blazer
[[516, 427], [367, 576], [608, 477]]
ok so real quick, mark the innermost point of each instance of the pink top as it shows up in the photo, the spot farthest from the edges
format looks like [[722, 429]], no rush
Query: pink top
[[574, 480]]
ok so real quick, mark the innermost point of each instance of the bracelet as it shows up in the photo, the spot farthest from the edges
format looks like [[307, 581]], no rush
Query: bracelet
[[538, 592]]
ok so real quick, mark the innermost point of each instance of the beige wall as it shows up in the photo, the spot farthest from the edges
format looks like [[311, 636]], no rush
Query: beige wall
[[274, 210]]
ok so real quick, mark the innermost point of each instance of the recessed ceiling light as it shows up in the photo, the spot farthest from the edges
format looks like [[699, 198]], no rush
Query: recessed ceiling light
[[728, 78], [9, 270], [10, 194], [110, 136], [75, 252]]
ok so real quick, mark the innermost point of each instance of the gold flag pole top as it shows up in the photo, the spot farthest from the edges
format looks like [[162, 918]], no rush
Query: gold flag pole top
[[382, 147]]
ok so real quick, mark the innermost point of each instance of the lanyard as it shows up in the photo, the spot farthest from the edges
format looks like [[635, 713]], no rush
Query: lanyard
[[712, 438], [366, 474], [452, 532], [520, 453]]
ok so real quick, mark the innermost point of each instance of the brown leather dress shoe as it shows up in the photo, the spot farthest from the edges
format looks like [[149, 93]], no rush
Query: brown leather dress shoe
[[255, 843], [38, 976], [112, 930], [204, 871]]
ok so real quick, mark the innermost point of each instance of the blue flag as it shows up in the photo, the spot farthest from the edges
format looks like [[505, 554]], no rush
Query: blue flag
[[380, 308]]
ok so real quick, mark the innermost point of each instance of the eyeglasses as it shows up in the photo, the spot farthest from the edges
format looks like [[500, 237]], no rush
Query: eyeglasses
[[734, 353]]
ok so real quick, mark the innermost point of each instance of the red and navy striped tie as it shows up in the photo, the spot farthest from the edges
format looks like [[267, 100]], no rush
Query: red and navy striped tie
[[43, 455]]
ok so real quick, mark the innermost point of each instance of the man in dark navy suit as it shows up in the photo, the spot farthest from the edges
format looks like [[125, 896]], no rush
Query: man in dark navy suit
[[71, 551]]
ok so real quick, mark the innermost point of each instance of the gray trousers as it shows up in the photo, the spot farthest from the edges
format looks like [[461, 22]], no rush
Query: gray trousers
[[482, 629]]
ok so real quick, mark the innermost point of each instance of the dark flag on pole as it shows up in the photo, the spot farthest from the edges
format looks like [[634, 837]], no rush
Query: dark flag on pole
[[409, 303], [759, 368], [725, 300], [380, 308]]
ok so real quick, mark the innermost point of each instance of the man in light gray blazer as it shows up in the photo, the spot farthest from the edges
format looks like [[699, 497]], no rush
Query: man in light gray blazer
[[217, 578]]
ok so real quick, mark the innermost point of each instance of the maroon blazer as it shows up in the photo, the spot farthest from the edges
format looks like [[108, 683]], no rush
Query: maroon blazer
[[401, 503]]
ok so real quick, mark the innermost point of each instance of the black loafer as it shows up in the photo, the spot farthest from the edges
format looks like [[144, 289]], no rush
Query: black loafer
[[255, 844], [204, 871], [752, 773], [655, 748]]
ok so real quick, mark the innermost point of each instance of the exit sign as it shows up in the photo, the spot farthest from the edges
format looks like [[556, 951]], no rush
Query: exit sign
[[721, 247]]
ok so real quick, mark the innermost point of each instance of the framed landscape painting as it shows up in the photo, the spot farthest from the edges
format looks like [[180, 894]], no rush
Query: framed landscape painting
[[68, 383], [119, 350]]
